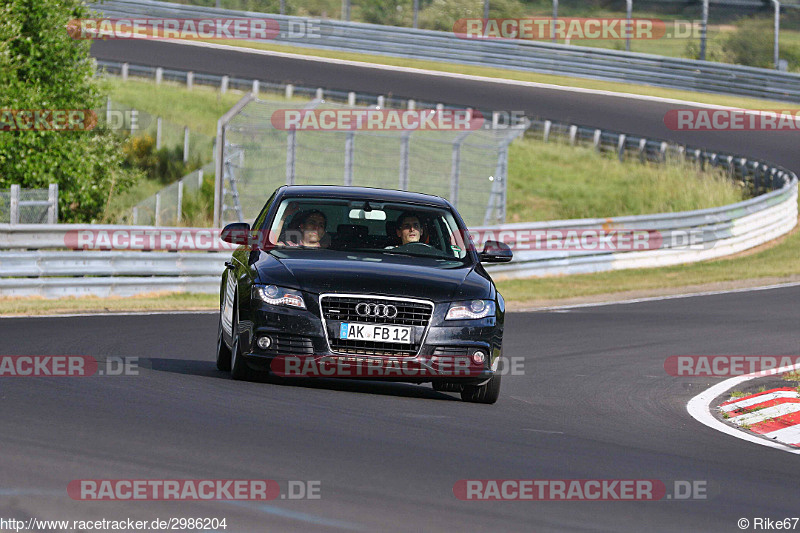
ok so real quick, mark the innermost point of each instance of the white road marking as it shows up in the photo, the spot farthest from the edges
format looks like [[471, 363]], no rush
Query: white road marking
[[659, 298]]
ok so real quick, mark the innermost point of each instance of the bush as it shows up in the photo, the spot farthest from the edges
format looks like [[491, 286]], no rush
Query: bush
[[164, 165], [751, 43], [42, 67]]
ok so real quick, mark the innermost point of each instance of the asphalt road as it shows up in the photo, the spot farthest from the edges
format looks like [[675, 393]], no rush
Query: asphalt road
[[593, 402], [603, 111]]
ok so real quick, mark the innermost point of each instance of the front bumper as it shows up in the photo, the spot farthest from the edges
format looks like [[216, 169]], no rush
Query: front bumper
[[299, 347]]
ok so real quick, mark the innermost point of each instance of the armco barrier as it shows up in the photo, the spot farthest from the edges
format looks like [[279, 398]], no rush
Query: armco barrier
[[547, 58], [724, 230]]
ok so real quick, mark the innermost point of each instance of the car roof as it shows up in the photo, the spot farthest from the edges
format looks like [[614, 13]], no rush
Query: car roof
[[361, 193]]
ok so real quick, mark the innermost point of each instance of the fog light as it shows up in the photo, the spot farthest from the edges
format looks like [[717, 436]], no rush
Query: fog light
[[264, 342], [479, 357]]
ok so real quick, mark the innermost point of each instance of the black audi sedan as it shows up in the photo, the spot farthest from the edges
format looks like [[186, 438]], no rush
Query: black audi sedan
[[353, 282]]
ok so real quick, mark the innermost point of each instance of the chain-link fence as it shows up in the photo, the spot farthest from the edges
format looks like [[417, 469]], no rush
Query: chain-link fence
[[126, 120], [29, 206], [186, 202], [468, 166]]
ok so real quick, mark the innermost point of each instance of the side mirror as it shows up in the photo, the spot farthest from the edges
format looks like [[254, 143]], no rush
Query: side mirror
[[496, 252], [237, 233]]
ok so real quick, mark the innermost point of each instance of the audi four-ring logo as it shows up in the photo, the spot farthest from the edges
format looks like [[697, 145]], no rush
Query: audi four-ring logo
[[365, 309]]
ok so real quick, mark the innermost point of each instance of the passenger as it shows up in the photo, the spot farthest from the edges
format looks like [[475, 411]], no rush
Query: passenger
[[311, 225]]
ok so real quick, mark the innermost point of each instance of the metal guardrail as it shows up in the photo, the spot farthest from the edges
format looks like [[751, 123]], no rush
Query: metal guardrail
[[723, 230], [546, 58]]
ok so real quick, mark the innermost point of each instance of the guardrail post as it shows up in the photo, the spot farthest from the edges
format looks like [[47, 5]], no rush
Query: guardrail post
[[124, 72], [189, 80], [200, 178], [159, 75], [157, 214], [351, 99], [291, 147], [621, 146], [14, 215], [349, 149], [320, 94], [180, 204], [255, 87], [135, 215], [52, 209], [411, 104], [223, 84], [108, 111], [547, 126], [186, 144], [596, 140], [573, 134], [663, 151], [289, 90], [642, 150], [158, 132], [381, 101]]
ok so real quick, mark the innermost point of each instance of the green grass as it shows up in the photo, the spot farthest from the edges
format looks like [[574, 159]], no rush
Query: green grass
[[779, 261], [555, 182], [199, 109], [146, 302]]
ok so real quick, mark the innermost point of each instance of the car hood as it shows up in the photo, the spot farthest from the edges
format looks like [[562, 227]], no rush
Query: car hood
[[343, 272]]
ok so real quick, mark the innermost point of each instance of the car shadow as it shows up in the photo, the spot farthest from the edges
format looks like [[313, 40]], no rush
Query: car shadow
[[208, 369]]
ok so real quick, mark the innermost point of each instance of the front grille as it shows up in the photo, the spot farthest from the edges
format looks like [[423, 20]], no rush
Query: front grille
[[408, 313], [291, 345], [343, 309]]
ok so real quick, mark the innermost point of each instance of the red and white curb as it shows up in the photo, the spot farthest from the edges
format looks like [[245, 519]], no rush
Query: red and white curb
[[774, 414], [778, 430]]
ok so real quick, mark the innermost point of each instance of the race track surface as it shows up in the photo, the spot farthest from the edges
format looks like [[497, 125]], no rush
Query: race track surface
[[593, 402], [608, 112]]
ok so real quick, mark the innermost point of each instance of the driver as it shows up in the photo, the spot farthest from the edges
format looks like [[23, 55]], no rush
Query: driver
[[409, 228]]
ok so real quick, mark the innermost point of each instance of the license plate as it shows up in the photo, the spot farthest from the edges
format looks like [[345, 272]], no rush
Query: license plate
[[372, 332]]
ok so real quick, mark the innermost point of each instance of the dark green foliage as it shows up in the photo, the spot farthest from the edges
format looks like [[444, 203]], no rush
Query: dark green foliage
[[42, 67]]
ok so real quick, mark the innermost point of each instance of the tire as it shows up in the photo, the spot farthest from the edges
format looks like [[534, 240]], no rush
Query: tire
[[223, 352], [487, 393], [239, 369]]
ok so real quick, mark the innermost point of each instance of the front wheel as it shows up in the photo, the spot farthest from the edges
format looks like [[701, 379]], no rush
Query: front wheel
[[223, 352], [239, 368], [488, 393]]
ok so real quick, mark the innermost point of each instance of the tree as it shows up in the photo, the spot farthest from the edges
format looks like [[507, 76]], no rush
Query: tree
[[43, 68]]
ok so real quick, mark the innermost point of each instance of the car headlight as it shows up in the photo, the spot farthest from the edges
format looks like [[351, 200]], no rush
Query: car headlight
[[470, 310], [274, 295]]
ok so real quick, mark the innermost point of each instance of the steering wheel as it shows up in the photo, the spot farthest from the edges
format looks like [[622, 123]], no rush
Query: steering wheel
[[412, 244]]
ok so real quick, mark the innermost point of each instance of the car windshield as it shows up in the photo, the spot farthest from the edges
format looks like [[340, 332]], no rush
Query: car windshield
[[367, 226]]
